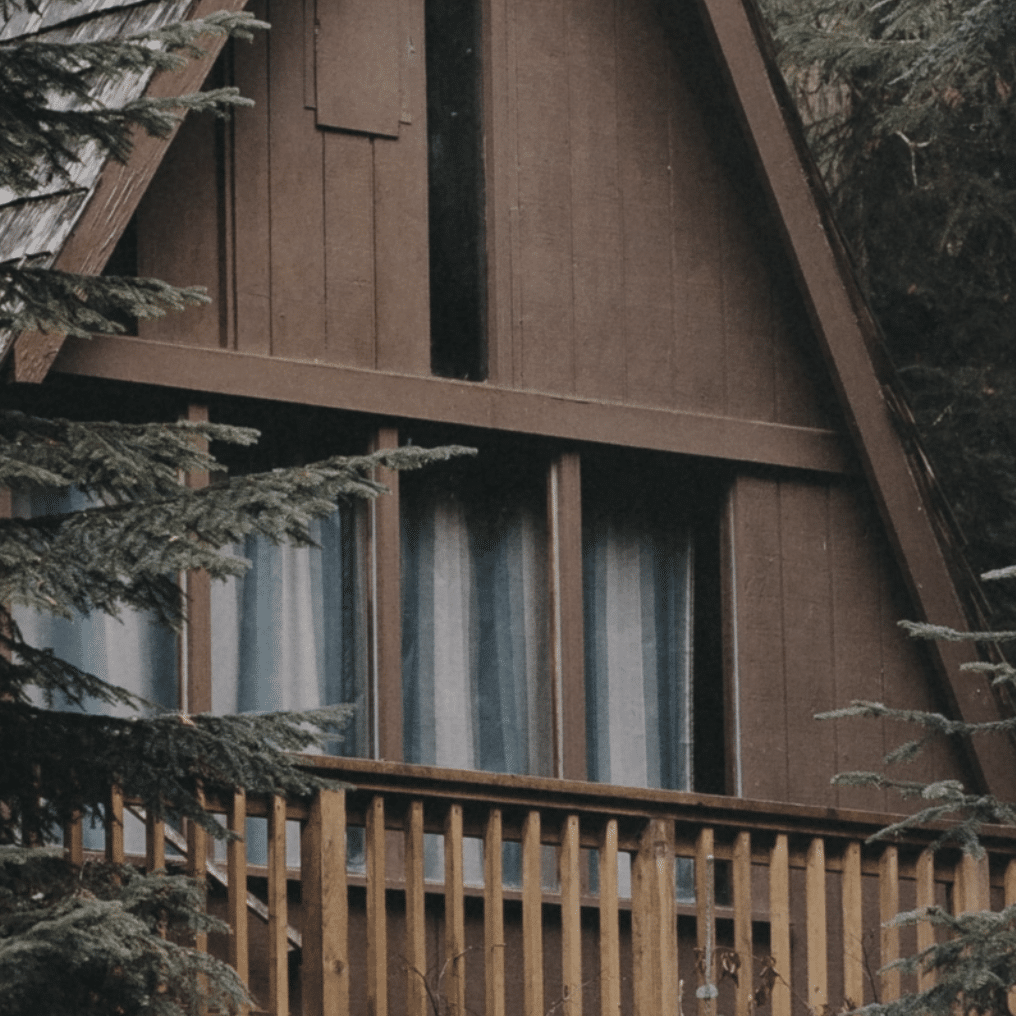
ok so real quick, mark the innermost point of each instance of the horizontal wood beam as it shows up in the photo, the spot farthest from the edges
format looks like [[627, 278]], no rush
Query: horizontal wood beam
[[459, 402]]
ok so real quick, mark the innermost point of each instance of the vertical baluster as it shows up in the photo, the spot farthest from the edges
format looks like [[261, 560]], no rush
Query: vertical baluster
[[493, 915], [610, 945], [779, 923], [853, 929], [705, 922], [654, 923], [455, 921], [114, 826], [1010, 899], [416, 928], [236, 880], [155, 843], [889, 907], [815, 903], [571, 917], [325, 962], [532, 918], [925, 898], [74, 841], [278, 909], [742, 922], [377, 930], [197, 850]]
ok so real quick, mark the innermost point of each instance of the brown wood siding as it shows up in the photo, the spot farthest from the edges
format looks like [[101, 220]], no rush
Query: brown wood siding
[[629, 262], [817, 601]]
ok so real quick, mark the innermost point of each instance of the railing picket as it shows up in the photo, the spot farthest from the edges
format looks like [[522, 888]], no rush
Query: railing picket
[[815, 904], [654, 923], [377, 930], [853, 927], [532, 917], [779, 923], [454, 986], [610, 946], [416, 928], [325, 961], [571, 918], [114, 826], [742, 922], [493, 915], [925, 897], [278, 909], [197, 852], [74, 841], [236, 878], [155, 843], [1009, 888], [705, 922], [889, 907]]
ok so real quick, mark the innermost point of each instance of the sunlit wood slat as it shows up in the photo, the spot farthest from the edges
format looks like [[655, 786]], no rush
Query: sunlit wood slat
[[815, 905], [742, 922], [925, 875], [114, 826], [654, 923], [571, 918], [610, 948], [889, 907], [454, 983], [278, 909], [705, 922], [532, 918], [74, 841], [236, 880], [853, 927], [325, 961], [155, 843], [779, 923], [197, 856], [493, 916], [1009, 889], [377, 930], [416, 929]]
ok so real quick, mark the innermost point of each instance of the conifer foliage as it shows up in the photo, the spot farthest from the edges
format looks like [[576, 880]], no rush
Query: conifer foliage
[[107, 939]]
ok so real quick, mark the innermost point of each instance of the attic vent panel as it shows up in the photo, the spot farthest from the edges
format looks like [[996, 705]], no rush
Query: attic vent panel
[[357, 66]]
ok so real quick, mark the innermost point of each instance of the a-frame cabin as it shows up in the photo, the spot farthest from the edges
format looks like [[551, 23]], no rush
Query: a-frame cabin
[[583, 236]]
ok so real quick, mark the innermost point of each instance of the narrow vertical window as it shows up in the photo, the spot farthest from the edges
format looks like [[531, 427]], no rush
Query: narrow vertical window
[[455, 190]]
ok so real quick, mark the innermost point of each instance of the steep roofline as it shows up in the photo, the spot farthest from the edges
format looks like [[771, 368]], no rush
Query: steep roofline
[[855, 356], [117, 194]]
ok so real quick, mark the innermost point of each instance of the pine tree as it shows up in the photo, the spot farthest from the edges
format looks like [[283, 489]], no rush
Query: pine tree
[[108, 939]]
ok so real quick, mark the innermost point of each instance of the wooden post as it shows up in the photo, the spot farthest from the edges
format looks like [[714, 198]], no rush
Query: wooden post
[[377, 930], [454, 987], [815, 902], [325, 965], [889, 907], [571, 917], [493, 915], [155, 843], [74, 842], [853, 929], [114, 826], [705, 923], [278, 909], [925, 898], [610, 948], [1010, 899], [416, 928], [654, 923], [532, 918], [779, 923], [742, 923], [236, 878]]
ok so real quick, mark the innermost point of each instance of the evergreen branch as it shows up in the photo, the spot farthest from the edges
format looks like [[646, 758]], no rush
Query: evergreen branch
[[939, 632]]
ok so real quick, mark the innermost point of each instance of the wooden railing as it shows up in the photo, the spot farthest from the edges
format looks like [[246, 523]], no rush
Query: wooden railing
[[788, 909]]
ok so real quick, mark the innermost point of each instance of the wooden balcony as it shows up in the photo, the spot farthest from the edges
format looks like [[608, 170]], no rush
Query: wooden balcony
[[734, 906]]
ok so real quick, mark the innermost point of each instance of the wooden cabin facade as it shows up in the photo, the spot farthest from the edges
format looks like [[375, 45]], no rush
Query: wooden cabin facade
[[581, 236]]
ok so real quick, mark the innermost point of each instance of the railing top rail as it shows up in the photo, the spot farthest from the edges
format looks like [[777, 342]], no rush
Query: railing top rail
[[397, 780]]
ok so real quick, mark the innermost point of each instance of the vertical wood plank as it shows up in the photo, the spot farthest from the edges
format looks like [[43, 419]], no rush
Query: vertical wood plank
[[642, 973], [532, 918], [925, 897], [779, 923], [665, 870], [815, 902], [564, 494], [889, 907], [1009, 890], [325, 963], [278, 909], [387, 604], [377, 929], [654, 923], [155, 843], [455, 920], [114, 826], [493, 916], [610, 946], [705, 922], [571, 917], [74, 841], [853, 927], [742, 923], [236, 877], [401, 235], [416, 930]]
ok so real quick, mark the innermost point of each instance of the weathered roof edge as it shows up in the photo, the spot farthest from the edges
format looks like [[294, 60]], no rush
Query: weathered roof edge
[[858, 364], [115, 197]]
